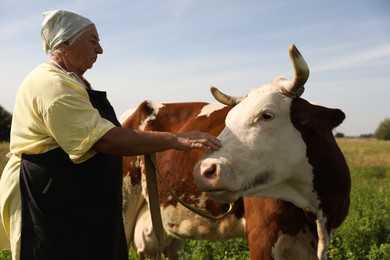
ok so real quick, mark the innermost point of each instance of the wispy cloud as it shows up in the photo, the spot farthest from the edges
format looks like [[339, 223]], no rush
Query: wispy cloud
[[359, 58]]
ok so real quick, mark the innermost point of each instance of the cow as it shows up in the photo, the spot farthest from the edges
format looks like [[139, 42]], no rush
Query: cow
[[278, 145], [274, 227]]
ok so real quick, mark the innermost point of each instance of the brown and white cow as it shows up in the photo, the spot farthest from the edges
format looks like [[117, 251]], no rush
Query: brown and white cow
[[277, 145], [274, 228]]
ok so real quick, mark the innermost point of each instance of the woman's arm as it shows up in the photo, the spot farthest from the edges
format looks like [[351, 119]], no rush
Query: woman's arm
[[124, 141]]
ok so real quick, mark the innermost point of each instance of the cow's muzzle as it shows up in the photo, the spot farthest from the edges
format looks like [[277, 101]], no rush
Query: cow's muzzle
[[213, 176]]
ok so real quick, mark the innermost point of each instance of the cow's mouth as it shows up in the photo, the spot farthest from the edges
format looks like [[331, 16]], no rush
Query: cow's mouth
[[260, 179], [223, 196]]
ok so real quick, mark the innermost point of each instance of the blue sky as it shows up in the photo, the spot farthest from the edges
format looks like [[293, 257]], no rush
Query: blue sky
[[174, 50]]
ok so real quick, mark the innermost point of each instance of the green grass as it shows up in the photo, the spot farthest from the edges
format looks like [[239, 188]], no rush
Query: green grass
[[365, 234]]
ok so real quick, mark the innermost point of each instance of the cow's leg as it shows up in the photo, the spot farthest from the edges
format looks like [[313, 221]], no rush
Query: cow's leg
[[133, 201], [145, 242], [171, 251]]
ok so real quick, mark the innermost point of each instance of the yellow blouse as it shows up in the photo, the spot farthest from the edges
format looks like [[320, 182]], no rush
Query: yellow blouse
[[52, 110]]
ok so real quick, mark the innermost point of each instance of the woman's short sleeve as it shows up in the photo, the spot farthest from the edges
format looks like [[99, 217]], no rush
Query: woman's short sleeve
[[75, 125]]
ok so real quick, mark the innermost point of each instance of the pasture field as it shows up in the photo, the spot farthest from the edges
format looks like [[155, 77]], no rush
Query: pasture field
[[365, 234]]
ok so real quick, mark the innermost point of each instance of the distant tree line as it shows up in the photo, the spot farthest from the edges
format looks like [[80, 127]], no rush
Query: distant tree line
[[383, 130], [366, 135], [381, 133], [5, 124]]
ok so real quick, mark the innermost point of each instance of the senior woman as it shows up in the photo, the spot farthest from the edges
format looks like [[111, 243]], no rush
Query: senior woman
[[61, 189]]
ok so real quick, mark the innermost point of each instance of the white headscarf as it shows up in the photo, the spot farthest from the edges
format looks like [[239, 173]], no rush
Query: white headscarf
[[58, 26]]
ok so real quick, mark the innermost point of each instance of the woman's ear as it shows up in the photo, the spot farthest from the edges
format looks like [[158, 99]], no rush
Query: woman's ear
[[64, 47]]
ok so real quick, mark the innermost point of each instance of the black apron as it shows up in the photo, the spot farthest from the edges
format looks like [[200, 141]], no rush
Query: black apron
[[73, 211]]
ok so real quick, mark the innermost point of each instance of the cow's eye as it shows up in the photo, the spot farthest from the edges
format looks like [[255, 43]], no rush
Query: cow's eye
[[266, 116]]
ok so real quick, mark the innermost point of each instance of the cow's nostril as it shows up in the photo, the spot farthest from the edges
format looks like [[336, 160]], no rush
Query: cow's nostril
[[209, 171]]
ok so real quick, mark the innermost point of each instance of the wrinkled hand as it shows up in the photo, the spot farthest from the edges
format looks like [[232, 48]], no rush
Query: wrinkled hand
[[200, 140]]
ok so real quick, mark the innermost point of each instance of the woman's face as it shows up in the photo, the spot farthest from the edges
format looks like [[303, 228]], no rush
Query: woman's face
[[83, 51]]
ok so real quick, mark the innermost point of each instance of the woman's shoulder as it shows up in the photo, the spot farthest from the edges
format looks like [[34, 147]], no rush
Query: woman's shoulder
[[46, 85], [46, 79]]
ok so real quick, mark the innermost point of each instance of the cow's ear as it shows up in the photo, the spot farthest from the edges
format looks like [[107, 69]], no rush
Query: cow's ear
[[317, 118]]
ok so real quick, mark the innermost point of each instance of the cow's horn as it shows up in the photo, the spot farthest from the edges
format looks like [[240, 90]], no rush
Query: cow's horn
[[225, 99], [301, 72]]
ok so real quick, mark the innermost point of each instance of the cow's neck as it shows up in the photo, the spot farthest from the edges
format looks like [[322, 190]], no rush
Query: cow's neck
[[298, 189]]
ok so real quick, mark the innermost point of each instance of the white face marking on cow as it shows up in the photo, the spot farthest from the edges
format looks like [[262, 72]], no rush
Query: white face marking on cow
[[262, 154], [210, 108], [156, 107]]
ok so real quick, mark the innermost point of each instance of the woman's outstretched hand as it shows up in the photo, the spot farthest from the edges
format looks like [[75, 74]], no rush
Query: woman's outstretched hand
[[198, 140]]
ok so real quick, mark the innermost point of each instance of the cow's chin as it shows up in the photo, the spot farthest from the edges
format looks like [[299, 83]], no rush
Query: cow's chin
[[223, 196]]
